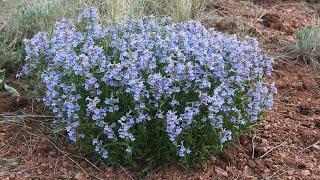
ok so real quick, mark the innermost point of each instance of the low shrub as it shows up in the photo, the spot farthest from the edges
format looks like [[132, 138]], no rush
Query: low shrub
[[145, 92]]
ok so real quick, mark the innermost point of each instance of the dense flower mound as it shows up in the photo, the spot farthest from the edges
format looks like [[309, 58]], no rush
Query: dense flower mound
[[148, 91]]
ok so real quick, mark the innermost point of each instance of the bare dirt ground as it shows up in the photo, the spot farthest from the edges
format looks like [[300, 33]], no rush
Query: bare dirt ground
[[285, 144]]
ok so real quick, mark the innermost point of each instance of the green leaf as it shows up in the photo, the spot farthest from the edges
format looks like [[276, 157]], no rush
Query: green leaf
[[4, 87], [10, 90], [2, 73]]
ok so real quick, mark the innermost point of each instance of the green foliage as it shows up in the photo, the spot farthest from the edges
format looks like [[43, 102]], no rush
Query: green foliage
[[308, 45]]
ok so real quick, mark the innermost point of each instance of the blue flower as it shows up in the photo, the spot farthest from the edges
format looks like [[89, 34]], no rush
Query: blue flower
[[183, 151], [129, 150]]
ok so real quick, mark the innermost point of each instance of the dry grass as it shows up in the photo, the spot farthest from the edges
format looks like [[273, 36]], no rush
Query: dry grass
[[179, 10]]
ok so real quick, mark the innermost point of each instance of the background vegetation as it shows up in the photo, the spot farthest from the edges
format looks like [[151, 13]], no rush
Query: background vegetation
[[20, 19]]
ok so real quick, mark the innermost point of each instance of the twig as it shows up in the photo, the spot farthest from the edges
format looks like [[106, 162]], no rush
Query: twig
[[54, 169], [66, 155], [1, 27], [14, 40], [125, 171], [285, 93], [26, 116], [11, 145], [87, 161], [265, 154], [12, 159], [253, 146], [54, 176], [316, 143], [28, 144], [262, 14]]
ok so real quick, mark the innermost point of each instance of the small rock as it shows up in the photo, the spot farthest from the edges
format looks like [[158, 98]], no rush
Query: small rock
[[23, 171], [317, 147], [80, 176], [12, 176], [306, 172], [290, 173], [264, 141], [221, 172]]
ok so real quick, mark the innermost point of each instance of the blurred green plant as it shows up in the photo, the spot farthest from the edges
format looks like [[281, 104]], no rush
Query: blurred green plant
[[4, 87], [308, 45]]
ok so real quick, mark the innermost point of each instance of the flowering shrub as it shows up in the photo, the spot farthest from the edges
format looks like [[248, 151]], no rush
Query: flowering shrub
[[143, 91]]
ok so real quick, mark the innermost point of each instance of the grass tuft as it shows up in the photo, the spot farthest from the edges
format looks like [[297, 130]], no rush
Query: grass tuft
[[308, 45]]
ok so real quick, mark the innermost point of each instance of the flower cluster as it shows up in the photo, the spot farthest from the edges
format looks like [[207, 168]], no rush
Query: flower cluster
[[117, 85]]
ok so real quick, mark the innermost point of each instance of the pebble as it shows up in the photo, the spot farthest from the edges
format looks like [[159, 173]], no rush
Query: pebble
[[12, 176], [221, 172], [306, 172], [39, 172], [80, 176], [290, 172]]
